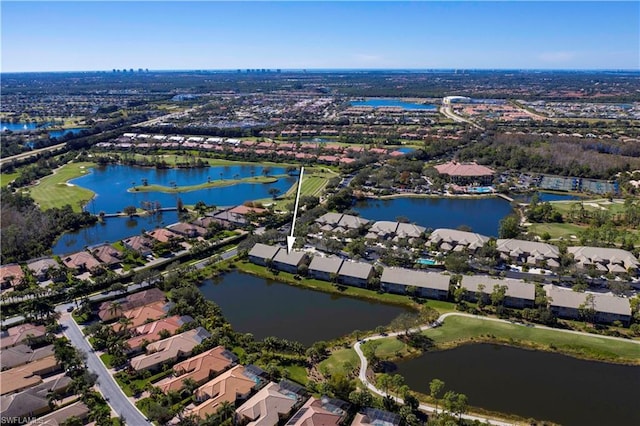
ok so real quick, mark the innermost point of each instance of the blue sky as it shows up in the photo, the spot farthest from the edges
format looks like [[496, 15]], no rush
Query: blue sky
[[65, 36]]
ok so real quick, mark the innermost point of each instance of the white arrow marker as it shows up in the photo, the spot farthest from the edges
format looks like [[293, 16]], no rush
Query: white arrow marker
[[291, 239]]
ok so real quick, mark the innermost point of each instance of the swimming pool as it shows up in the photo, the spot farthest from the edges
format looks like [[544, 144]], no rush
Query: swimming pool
[[429, 262], [480, 189]]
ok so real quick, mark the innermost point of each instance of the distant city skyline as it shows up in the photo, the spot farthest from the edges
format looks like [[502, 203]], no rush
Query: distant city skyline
[[101, 36]]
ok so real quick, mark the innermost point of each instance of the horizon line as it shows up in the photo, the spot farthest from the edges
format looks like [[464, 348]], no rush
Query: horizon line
[[311, 70]]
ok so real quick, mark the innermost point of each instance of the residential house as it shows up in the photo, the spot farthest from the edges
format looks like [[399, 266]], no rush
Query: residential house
[[21, 333], [229, 218], [27, 375], [140, 244], [384, 229], [10, 275], [230, 386], [107, 255], [163, 235], [142, 314], [454, 240], [409, 230], [170, 349], [33, 401], [531, 253], [152, 331], [355, 274], [199, 368], [431, 285], [566, 303], [375, 417], [289, 262], [114, 309], [40, 268], [319, 412], [268, 407], [188, 230], [81, 261], [466, 173], [23, 354], [605, 260], [325, 268], [78, 410], [261, 254], [519, 294]]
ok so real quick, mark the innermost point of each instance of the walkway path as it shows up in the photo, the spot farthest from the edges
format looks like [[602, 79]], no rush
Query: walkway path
[[429, 408]]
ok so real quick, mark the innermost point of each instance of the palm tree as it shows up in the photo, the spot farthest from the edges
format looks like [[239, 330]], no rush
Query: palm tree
[[115, 308], [225, 411]]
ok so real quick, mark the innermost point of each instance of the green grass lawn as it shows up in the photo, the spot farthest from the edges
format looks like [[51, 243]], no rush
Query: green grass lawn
[[341, 361], [389, 348], [298, 374], [5, 178], [556, 230], [462, 329], [107, 360], [591, 205], [53, 191], [212, 184]]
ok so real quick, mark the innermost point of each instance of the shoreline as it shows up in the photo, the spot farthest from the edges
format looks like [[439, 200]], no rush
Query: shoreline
[[213, 184]]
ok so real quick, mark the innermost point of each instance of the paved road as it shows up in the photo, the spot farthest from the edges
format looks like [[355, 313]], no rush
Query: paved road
[[106, 383], [448, 112], [428, 408], [31, 153]]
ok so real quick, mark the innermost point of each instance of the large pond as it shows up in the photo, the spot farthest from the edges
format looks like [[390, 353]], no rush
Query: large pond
[[111, 230], [112, 184], [483, 215], [380, 102], [22, 126], [535, 384], [73, 131], [270, 308]]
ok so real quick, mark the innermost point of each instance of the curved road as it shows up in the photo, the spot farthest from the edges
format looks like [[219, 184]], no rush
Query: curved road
[[428, 408], [447, 111], [106, 383]]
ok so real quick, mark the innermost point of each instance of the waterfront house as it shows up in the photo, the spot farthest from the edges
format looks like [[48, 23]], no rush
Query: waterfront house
[[409, 230], [140, 244], [230, 386], [466, 173], [375, 417], [188, 230], [518, 293], [289, 262], [261, 254], [170, 349], [81, 261], [325, 268], [384, 229], [431, 285], [605, 260], [40, 268], [199, 368], [453, 240], [22, 333], [163, 235], [320, 412], [531, 253], [269, 406], [106, 254], [10, 275], [355, 274], [566, 303]]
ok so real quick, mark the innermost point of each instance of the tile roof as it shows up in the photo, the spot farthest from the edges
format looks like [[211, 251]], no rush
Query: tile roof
[[169, 349], [20, 333], [199, 368], [23, 354], [225, 387], [266, 406], [79, 260], [454, 168]]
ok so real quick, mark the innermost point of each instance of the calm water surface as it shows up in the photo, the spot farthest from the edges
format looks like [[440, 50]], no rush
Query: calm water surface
[[270, 308], [111, 184], [547, 196], [534, 384], [483, 215], [111, 230], [21, 126], [377, 103]]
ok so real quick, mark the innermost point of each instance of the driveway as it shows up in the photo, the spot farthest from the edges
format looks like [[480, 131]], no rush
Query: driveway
[[106, 383]]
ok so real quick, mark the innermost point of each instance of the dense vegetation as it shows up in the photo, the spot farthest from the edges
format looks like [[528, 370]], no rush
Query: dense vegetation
[[28, 232]]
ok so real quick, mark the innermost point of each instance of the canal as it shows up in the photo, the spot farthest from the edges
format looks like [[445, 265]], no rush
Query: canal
[[536, 384], [265, 307]]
